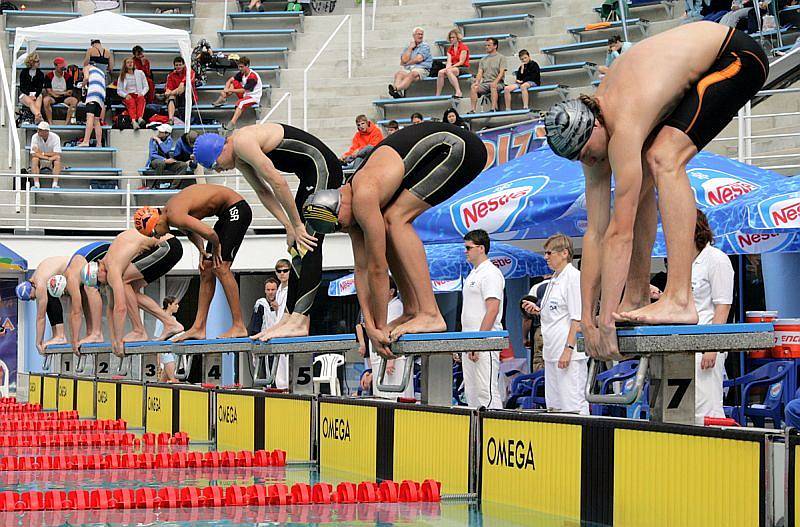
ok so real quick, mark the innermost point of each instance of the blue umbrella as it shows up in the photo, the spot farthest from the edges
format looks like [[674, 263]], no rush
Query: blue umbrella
[[541, 194]]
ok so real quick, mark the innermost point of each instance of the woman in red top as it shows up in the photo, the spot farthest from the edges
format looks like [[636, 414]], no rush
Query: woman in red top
[[457, 63], [142, 63]]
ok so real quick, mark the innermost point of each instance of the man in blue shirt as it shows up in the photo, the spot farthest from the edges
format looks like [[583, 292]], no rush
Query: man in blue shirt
[[161, 157], [416, 61]]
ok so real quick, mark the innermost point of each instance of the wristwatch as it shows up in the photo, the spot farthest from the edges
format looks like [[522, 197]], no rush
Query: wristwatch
[[570, 346]]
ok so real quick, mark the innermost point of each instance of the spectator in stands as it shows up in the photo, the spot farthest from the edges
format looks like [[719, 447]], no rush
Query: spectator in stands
[[97, 63], [45, 152], [59, 88], [616, 47], [283, 270], [184, 148], [491, 73], [175, 89], [712, 289], [482, 310], [171, 306], [416, 118], [31, 86], [267, 311], [693, 8], [246, 85], [142, 63], [565, 369], [451, 116], [457, 63], [415, 61], [715, 10], [366, 138], [527, 75], [391, 127], [161, 157], [254, 5], [132, 88]]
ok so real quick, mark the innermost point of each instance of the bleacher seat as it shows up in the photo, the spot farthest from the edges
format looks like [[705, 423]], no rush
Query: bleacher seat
[[166, 19], [426, 99], [35, 16], [262, 33], [525, 18], [633, 23], [295, 16], [511, 39], [162, 4], [552, 51], [527, 391], [402, 121], [250, 51], [480, 5], [474, 58], [61, 127], [569, 67], [668, 5], [469, 117], [51, 5], [559, 89], [771, 376]]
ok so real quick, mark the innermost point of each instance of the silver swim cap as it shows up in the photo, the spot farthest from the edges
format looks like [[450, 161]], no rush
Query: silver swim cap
[[321, 211], [569, 125]]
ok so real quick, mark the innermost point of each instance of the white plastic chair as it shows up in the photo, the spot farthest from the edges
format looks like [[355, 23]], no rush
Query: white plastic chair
[[4, 386], [330, 363]]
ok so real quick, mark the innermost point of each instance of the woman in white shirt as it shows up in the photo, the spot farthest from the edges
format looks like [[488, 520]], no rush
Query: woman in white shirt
[[712, 288], [132, 87], [565, 370]]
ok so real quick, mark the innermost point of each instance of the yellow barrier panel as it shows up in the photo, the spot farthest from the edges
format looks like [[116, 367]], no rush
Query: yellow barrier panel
[[159, 410], [347, 438], [131, 409], [193, 415], [443, 454], [287, 426], [235, 421], [66, 394], [107, 400], [673, 473], [35, 389], [85, 398], [49, 393]]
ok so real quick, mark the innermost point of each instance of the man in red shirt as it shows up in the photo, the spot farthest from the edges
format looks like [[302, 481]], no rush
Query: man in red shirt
[[58, 89], [174, 92], [246, 85]]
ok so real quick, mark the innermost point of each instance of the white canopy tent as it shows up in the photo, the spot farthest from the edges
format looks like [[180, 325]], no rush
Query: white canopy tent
[[111, 29]]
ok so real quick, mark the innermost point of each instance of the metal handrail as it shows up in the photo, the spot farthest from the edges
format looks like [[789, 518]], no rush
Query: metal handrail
[[14, 148], [287, 95], [225, 16], [347, 19]]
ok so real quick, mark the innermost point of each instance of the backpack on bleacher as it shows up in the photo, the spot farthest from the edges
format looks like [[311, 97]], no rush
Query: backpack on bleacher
[[122, 121], [75, 73], [294, 6], [8, 6]]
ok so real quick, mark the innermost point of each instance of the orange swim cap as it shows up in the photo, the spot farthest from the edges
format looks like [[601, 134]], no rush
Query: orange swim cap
[[145, 220]]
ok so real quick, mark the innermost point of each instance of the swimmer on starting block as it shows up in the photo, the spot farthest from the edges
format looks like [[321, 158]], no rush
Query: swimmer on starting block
[[132, 262], [261, 152], [84, 301], [184, 211], [36, 289], [661, 102], [408, 172]]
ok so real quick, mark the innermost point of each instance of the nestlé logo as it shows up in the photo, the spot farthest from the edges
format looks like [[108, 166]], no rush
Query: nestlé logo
[[757, 243], [338, 429], [511, 453]]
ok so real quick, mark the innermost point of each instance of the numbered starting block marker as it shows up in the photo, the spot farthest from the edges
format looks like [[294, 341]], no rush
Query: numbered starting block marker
[[209, 352], [60, 359], [436, 352], [666, 358]]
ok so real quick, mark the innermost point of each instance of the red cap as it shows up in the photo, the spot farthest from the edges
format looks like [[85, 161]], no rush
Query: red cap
[[59, 61]]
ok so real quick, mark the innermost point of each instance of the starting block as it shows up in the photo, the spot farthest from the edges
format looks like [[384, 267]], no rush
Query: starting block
[[143, 357], [436, 351], [210, 353], [300, 352], [109, 366], [668, 353], [59, 359]]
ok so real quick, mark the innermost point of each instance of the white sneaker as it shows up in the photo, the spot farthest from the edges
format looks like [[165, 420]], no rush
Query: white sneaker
[[55, 185]]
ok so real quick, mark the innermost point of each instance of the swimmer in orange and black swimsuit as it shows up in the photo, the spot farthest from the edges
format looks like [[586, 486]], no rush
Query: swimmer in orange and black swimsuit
[[662, 101]]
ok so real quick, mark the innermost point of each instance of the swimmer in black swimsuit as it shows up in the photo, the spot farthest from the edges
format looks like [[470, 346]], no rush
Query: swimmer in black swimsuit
[[408, 172], [217, 246], [261, 153], [85, 302], [662, 101]]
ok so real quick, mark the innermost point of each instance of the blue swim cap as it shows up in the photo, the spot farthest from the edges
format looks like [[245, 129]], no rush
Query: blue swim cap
[[207, 149], [24, 290]]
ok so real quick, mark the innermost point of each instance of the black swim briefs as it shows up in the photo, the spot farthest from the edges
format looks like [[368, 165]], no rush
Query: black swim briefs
[[158, 261], [231, 227], [739, 72]]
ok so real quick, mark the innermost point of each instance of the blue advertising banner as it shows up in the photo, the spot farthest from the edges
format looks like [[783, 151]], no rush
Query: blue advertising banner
[[8, 329], [512, 142]]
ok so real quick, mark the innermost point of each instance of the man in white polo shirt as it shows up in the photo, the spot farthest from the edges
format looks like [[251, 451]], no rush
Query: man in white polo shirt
[[565, 370], [45, 152], [481, 310], [712, 289]]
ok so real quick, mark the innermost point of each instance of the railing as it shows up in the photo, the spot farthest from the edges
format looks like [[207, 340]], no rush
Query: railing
[[286, 97], [14, 149], [98, 210], [225, 16], [347, 19], [364, 24], [745, 136]]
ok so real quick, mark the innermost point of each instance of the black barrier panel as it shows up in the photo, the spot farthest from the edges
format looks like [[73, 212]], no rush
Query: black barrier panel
[[602, 469], [386, 440], [792, 444]]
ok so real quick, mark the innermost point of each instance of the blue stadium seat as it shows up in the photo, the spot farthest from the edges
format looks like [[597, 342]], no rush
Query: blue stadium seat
[[480, 5], [527, 391], [589, 67], [633, 23], [261, 33], [611, 380], [525, 18], [552, 51], [478, 39], [773, 376], [383, 103], [295, 16]]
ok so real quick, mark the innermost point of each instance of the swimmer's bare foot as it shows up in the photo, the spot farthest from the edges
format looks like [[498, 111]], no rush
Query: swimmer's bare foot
[[420, 324], [135, 336], [663, 311], [399, 321], [234, 332], [171, 330], [190, 334], [90, 339], [173, 381], [55, 340], [296, 326]]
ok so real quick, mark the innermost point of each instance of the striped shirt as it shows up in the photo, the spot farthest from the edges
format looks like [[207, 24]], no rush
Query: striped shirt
[[96, 91]]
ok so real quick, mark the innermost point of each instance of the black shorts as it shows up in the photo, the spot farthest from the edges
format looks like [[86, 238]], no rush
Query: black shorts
[[157, 262], [739, 72], [231, 227], [439, 158], [93, 108], [55, 312]]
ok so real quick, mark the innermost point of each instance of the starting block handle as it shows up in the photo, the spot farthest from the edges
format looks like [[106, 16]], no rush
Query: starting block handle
[[396, 388], [47, 365], [184, 363], [269, 373], [124, 367], [621, 399], [80, 364]]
